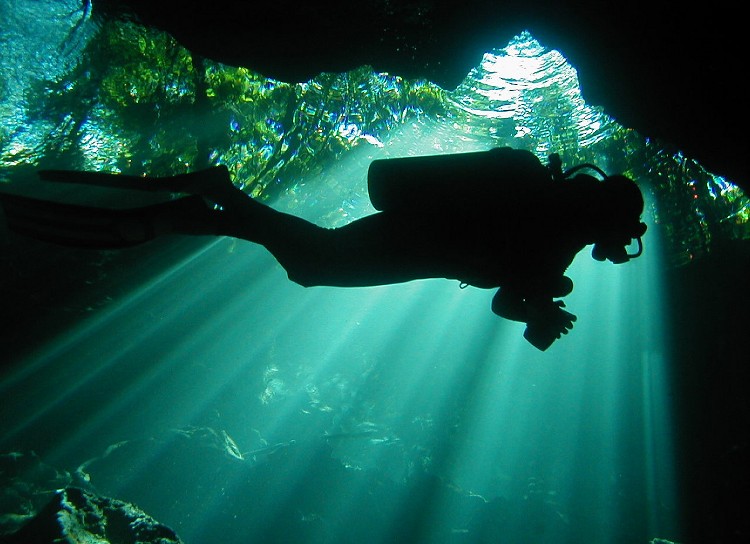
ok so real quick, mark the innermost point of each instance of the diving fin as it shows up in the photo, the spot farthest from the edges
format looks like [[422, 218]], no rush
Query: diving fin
[[208, 182], [105, 228]]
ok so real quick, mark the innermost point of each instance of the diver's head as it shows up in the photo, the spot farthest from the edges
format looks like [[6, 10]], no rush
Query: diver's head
[[620, 220]]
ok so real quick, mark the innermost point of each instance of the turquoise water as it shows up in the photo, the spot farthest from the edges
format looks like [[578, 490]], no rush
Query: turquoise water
[[192, 379]]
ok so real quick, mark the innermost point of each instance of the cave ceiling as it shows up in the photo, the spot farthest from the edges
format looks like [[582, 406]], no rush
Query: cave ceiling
[[669, 71]]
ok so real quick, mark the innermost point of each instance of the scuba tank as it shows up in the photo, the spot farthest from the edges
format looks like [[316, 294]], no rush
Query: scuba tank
[[503, 178], [440, 180]]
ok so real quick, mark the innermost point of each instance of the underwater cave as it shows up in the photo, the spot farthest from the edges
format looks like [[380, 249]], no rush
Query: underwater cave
[[188, 387]]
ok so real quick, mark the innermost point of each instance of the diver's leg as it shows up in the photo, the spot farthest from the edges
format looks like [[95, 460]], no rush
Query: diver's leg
[[373, 250], [307, 251], [370, 251]]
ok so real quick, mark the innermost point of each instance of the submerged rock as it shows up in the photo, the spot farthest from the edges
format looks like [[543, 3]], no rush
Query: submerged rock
[[26, 485], [77, 516], [39, 504]]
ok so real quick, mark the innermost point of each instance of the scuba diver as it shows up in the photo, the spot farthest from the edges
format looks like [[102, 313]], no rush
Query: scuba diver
[[495, 219]]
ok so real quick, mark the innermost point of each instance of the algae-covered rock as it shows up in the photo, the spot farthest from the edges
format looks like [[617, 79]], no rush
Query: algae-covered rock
[[76, 516]]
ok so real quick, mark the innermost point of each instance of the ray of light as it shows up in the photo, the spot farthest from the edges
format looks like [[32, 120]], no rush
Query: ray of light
[[406, 381]]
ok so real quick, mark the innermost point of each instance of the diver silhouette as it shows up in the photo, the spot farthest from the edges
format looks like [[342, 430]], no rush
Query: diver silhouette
[[495, 219]]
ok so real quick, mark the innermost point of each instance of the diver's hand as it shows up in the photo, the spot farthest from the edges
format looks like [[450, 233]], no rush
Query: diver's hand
[[547, 322]]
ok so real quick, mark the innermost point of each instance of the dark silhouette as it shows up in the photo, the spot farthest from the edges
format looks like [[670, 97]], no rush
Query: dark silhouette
[[495, 219]]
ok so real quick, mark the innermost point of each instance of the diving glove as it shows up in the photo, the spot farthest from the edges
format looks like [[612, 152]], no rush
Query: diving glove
[[548, 324]]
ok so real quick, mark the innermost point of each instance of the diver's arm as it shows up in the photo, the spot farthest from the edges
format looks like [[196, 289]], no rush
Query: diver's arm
[[509, 304], [533, 296]]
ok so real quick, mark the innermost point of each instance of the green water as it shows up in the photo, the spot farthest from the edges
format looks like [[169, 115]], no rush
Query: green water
[[245, 405]]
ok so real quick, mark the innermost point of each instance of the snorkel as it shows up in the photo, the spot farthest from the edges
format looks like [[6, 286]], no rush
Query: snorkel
[[613, 245]]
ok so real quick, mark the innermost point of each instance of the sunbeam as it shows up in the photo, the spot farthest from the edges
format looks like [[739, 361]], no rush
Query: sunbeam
[[224, 399], [409, 379]]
